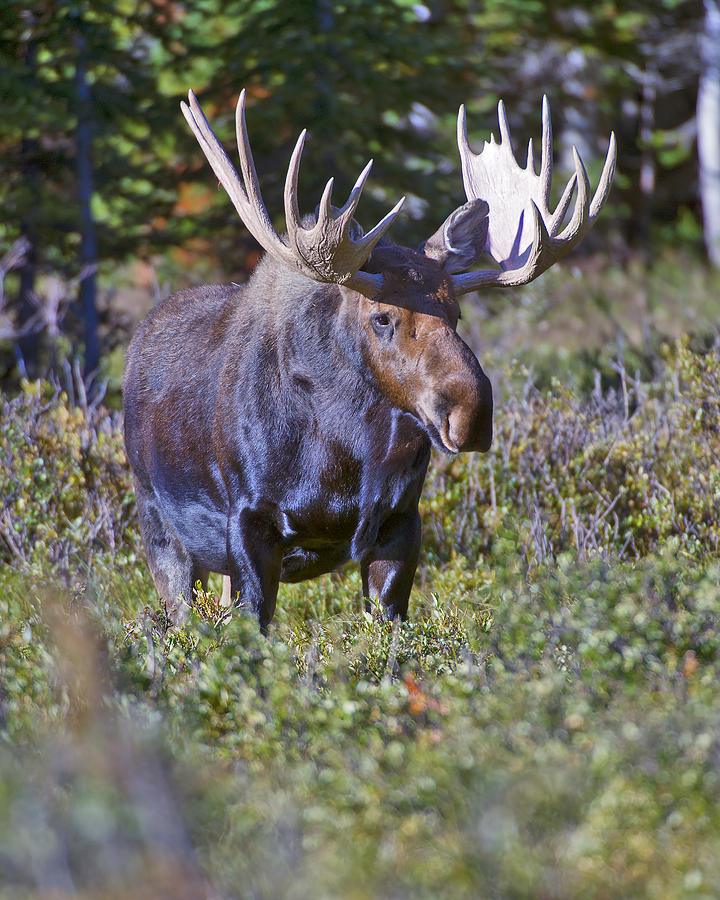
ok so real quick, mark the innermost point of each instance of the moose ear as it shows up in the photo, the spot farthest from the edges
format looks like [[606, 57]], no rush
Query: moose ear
[[461, 238]]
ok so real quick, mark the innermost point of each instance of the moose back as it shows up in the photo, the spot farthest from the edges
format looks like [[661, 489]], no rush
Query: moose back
[[279, 429]]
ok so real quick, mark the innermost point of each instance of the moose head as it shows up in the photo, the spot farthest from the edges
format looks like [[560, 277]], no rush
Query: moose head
[[321, 385]]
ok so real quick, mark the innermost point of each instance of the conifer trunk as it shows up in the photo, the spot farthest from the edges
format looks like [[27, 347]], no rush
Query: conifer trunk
[[708, 122], [88, 237]]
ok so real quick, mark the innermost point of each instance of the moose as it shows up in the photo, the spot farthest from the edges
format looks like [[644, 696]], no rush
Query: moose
[[282, 428]]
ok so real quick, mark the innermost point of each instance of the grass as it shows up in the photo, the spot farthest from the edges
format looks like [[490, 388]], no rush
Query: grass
[[546, 724]]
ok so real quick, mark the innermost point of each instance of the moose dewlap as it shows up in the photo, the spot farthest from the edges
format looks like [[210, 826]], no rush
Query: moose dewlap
[[279, 429]]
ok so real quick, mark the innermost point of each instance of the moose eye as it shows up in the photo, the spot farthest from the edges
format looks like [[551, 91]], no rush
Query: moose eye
[[382, 324]]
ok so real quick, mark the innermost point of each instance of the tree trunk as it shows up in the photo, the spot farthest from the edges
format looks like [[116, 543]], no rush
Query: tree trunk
[[88, 239], [26, 348], [647, 162], [708, 126]]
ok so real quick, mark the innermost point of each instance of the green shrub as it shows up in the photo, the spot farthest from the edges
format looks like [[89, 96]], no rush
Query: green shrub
[[545, 725], [66, 490], [565, 744], [614, 474]]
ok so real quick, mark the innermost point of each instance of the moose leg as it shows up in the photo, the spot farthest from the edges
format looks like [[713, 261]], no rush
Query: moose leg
[[255, 560], [171, 565], [389, 569]]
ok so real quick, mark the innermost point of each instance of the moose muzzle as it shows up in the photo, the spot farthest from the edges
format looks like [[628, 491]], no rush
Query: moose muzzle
[[457, 404], [467, 425]]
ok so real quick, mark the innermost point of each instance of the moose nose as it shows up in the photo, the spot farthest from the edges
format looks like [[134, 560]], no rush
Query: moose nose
[[469, 422], [457, 400]]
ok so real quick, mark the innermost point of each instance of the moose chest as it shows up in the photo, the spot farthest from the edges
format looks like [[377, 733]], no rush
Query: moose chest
[[329, 497], [343, 514], [349, 496]]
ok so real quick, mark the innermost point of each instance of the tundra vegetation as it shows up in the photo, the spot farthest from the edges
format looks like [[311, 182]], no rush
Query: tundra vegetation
[[545, 725]]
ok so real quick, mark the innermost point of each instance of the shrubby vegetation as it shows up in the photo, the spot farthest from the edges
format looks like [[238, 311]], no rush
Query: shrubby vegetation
[[545, 725], [615, 473], [67, 494]]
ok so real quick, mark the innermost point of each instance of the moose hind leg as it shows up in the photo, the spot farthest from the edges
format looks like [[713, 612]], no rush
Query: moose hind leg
[[171, 565]]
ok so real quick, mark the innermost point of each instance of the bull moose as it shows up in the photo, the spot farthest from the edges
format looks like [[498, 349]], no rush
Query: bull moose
[[279, 429]]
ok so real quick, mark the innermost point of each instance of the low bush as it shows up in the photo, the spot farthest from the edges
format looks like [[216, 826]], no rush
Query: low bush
[[65, 485], [562, 744], [545, 725], [613, 474]]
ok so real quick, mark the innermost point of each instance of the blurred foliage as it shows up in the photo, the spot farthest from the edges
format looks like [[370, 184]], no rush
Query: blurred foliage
[[546, 724]]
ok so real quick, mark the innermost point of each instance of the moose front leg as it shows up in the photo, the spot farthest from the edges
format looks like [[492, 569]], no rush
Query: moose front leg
[[389, 569], [254, 562]]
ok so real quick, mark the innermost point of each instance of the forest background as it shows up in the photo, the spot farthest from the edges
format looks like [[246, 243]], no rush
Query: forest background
[[547, 723], [104, 187]]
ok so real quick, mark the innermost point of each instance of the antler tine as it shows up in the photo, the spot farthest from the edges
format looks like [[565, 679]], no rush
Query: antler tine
[[215, 154], [504, 126], [292, 211], [325, 209], [325, 251], [372, 237], [257, 219], [546, 153], [558, 217], [579, 222], [530, 164], [245, 194], [348, 210], [605, 183], [534, 264], [523, 230], [462, 138], [247, 163]]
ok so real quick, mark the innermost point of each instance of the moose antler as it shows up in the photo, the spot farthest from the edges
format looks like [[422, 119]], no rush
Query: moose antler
[[330, 251], [524, 235]]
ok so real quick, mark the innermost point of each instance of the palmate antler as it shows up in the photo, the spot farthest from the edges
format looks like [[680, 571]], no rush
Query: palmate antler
[[330, 251], [524, 235]]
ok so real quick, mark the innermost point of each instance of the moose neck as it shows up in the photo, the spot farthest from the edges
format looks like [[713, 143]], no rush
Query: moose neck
[[316, 332], [320, 349]]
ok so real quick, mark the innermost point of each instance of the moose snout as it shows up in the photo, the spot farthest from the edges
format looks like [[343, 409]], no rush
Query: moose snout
[[457, 403], [461, 414], [468, 422]]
